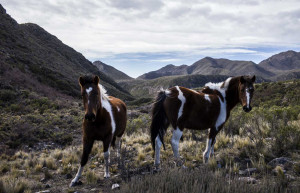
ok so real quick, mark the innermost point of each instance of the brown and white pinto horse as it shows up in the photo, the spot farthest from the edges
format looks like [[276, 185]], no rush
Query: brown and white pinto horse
[[209, 108], [105, 119]]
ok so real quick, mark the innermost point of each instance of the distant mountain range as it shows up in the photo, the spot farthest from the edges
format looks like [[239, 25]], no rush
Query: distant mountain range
[[32, 58], [110, 71], [273, 68]]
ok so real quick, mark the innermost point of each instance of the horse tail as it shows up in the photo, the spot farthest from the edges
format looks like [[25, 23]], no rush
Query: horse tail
[[160, 121]]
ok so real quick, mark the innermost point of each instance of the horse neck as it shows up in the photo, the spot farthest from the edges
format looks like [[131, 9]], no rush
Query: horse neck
[[232, 94]]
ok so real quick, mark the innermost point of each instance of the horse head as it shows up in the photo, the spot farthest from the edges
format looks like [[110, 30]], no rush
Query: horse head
[[91, 96], [246, 90]]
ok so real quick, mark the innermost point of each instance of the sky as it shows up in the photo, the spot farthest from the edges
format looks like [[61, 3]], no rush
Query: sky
[[138, 36]]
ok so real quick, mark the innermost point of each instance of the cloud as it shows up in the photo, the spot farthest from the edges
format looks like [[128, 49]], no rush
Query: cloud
[[186, 28]]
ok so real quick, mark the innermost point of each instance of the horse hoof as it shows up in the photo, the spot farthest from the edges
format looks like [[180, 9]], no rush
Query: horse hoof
[[78, 183], [106, 176]]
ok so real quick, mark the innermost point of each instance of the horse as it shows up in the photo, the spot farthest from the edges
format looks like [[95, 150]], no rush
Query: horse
[[207, 109], [105, 120]]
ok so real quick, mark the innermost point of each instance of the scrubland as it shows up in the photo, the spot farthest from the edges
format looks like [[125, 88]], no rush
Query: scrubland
[[40, 140]]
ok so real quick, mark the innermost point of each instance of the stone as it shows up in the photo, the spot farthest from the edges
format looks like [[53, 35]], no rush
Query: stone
[[43, 191], [115, 186], [47, 186], [286, 162], [249, 180], [248, 171]]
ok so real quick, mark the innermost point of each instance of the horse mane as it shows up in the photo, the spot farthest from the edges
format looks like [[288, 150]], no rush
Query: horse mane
[[221, 86], [103, 92]]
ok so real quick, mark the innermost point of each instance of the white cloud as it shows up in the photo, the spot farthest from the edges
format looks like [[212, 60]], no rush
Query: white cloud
[[103, 29]]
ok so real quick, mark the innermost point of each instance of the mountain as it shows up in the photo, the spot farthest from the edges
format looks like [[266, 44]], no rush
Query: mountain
[[211, 66], [33, 58], [169, 70], [282, 62], [110, 71]]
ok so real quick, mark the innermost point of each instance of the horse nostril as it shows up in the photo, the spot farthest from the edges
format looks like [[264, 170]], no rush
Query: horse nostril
[[90, 117]]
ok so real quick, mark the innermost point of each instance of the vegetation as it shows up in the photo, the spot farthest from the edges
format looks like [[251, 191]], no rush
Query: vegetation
[[249, 140]]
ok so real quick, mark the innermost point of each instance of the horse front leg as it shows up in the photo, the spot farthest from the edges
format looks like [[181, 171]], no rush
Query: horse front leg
[[87, 147], [211, 140], [106, 145]]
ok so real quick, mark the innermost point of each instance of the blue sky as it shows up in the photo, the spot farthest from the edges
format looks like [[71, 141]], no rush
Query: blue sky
[[138, 36]]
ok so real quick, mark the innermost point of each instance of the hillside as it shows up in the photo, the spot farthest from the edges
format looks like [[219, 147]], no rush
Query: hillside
[[32, 58], [111, 72]]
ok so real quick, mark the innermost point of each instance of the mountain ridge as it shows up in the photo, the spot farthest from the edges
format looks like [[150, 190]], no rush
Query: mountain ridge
[[43, 60], [271, 68], [112, 72]]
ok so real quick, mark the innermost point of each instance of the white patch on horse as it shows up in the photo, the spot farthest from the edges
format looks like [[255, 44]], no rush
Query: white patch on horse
[[107, 106], [206, 96], [118, 109], [78, 175], [248, 97], [177, 133], [158, 144], [88, 90], [182, 99], [222, 115], [207, 150], [219, 86], [106, 160]]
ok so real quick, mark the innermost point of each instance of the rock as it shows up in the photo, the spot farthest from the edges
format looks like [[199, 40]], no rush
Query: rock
[[286, 162], [248, 171], [93, 190], [68, 176], [47, 186], [249, 180], [290, 177], [43, 191], [43, 180], [115, 186]]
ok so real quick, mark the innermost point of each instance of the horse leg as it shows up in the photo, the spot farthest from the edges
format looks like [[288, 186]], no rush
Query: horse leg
[[158, 144], [209, 144], [118, 144], [177, 133], [106, 145], [87, 147]]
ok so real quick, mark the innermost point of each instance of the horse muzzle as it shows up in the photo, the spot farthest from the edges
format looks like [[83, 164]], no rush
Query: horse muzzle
[[247, 109], [90, 117]]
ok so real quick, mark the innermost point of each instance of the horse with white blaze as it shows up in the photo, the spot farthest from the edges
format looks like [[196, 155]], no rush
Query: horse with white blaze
[[208, 109], [105, 120]]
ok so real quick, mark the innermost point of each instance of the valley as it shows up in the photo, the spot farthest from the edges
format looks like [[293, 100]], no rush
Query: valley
[[41, 123]]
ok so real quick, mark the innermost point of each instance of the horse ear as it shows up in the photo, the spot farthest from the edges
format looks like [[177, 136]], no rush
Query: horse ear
[[253, 78], [81, 81], [96, 80], [242, 79]]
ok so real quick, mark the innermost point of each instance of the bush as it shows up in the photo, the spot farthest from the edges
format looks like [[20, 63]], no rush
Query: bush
[[7, 95]]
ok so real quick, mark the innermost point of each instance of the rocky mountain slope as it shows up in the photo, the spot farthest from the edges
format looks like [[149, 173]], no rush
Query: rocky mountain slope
[[110, 71], [33, 58], [282, 66]]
